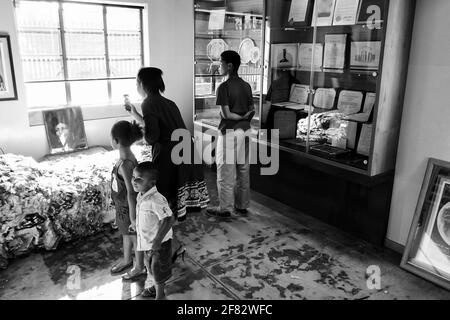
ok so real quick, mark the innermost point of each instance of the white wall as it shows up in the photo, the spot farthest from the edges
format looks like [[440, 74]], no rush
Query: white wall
[[425, 130], [171, 49]]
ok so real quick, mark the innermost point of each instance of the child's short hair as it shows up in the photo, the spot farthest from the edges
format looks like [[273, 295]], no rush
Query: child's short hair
[[232, 57], [149, 168]]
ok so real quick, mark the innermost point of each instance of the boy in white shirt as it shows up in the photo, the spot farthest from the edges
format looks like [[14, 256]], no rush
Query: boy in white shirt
[[154, 221]]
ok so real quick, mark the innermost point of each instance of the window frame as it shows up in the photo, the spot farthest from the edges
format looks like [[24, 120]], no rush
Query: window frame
[[62, 39]]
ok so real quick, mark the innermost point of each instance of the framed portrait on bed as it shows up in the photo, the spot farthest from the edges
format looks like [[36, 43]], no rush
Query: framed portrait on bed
[[427, 251], [65, 130], [8, 89]]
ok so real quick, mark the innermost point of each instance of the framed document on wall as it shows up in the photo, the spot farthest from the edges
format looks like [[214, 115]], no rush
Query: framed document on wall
[[427, 251], [334, 55], [365, 55], [345, 12], [300, 13], [323, 12], [284, 55]]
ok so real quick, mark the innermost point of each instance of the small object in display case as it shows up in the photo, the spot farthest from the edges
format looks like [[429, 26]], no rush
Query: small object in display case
[[350, 102], [369, 103], [215, 48], [255, 55], [335, 46], [345, 12], [284, 55], [324, 98], [306, 59], [286, 122], [298, 98], [365, 55], [216, 19], [323, 12], [427, 252], [245, 50], [300, 13], [371, 13], [329, 151]]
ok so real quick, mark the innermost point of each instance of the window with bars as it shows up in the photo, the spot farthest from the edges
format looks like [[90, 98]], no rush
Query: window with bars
[[79, 53]]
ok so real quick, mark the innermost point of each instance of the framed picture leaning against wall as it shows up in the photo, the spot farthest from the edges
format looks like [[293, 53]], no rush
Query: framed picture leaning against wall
[[427, 251], [8, 89]]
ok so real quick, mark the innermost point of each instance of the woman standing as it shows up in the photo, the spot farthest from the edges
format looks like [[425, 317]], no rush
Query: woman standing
[[183, 185]]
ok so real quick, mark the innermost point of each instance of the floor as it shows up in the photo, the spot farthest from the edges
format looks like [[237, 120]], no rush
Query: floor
[[273, 253]]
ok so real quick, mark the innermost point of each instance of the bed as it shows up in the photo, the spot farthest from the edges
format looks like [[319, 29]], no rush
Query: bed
[[59, 199]]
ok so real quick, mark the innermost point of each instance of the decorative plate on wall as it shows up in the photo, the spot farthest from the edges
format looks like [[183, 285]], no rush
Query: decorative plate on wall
[[215, 48], [255, 55], [245, 50]]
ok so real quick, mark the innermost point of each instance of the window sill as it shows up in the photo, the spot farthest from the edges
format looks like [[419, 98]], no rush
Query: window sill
[[90, 113]]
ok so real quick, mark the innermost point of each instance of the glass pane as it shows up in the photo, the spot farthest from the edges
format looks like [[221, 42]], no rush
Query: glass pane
[[217, 30], [46, 94], [37, 43], [89, 92], [42, 68], [125, 86], [32, 14], [85, 44], [125, 67], [123, 19], [124, 44], [87, 68], [83, 16]]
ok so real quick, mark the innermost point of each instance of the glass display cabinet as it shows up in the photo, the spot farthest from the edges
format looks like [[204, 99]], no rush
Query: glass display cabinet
[[220, 26]]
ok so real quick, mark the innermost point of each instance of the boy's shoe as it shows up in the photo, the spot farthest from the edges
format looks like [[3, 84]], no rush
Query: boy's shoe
[[242, 212], [216, 212], [149, 292]]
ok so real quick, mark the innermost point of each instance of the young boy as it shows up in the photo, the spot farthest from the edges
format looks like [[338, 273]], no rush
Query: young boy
[[235, 99], [154, 221]]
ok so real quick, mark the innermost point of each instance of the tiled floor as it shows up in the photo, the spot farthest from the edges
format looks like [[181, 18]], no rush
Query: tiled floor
[[273, 253]]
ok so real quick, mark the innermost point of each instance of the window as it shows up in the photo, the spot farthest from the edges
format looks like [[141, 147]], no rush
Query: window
[[79, 53]]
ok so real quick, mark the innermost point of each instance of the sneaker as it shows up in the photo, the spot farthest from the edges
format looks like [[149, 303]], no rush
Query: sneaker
[[216, 212]]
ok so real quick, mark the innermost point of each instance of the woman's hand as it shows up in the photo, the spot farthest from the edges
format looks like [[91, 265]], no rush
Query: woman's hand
[[130, 108]]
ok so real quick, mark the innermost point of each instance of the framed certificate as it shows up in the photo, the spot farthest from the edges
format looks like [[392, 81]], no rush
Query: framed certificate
[[324, 98], [284, 55], [306, 59], [216, 20], [350, 102], [365, 55], [323, 12], [345, 12], [300, 13], [334, 55]]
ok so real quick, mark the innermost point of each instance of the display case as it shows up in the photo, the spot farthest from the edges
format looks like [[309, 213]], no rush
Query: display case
[[220, 26], [327, 69]]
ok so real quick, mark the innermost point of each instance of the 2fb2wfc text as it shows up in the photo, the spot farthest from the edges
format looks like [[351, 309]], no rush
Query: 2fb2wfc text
[[217, 311]]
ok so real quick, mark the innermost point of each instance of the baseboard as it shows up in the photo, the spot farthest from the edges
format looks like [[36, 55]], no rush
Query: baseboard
[[394, 246]]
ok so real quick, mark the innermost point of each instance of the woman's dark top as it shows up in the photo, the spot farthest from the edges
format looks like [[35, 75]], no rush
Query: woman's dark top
[[161, 118]]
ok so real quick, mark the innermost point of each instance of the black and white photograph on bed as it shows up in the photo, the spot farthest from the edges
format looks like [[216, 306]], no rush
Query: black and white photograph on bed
[[65, 129]]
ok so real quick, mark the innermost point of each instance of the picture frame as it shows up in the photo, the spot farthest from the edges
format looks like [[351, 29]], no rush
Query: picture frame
[[300, 13], [427, 251], [284, 55], [65, 129], [8, 87], [365, 55]]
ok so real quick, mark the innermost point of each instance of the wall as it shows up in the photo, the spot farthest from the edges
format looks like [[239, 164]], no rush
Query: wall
[[170, 41], [425, 130]]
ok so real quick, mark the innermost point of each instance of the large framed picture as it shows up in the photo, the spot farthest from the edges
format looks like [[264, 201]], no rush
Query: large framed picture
[[8, 90], [427, 251], [65, 129], [365, 55]]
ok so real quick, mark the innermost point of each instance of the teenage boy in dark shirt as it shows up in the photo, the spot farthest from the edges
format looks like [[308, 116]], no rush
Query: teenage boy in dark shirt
[[235, 99]]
